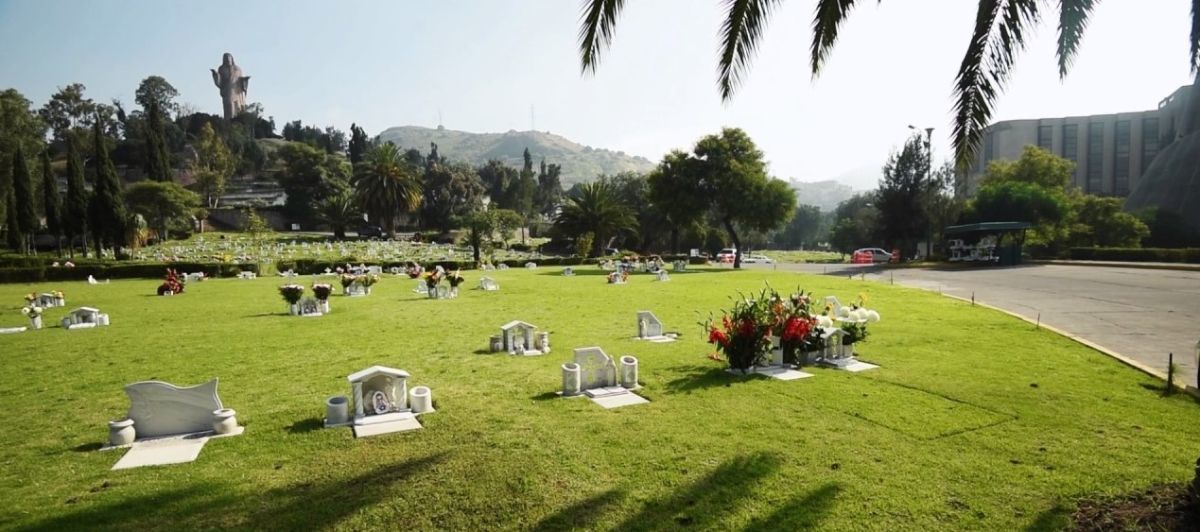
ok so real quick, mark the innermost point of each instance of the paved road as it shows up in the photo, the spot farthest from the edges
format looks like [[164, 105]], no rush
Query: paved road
[[1142, 314]]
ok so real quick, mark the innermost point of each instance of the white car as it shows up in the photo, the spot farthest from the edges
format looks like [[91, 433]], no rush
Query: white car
[[757, 259]]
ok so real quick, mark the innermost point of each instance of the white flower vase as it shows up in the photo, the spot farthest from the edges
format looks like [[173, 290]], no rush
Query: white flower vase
[[224, 421], [293, 309], [337, 411], [36, 322], [495, 343], [571, 380], [121, 432], [629, 372], [543, 342], [421, 400], [60, 301], [324, 306]]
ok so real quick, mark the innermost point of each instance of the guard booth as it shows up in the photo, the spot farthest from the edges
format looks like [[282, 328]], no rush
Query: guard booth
[[997, 243]]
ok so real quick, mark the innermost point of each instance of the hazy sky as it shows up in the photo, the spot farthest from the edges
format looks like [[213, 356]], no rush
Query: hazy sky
[[483, 63]]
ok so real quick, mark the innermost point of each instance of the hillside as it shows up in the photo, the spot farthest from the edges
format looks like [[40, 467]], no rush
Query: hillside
[[824, 194], [579, 162]]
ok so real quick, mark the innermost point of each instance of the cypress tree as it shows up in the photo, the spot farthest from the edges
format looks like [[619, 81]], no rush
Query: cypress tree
[[76, 208], [107, 206], [51, 204], [12, 232], [27, 220], [158, 161]]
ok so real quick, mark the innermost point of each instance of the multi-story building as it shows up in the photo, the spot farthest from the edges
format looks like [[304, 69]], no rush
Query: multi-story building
[[1110, 151]]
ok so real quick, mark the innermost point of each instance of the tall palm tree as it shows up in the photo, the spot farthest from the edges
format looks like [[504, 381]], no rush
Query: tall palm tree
[[340, 212], [386, 186], [595, 209], [1001, 28]]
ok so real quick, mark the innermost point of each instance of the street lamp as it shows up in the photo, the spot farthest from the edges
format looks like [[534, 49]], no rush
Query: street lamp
[[928, 177]]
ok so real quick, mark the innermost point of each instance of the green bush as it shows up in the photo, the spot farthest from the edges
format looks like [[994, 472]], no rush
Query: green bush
[[119, 270], [1190, 255]]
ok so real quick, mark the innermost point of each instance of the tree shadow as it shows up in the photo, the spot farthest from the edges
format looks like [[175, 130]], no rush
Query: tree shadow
[[584, 511], [545, 396], [1055, 518], [799, 513], [143, 511], [708, 499], [306, 425], [701, 377], [485, 352]]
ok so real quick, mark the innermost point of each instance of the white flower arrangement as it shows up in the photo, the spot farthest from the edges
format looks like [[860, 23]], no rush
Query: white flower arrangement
[[32, 311]]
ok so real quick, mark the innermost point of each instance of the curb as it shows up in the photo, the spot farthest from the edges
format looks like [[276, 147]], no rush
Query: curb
[[1153, 372], [1182, 266]]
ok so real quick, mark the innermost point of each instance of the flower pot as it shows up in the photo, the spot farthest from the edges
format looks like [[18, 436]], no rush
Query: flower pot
[[294, 309], [36, 321], [421, 400], [62, 302], [629, 372], [543, 342], [571, 379], [337, 411], [495, 343], [324, 304], [121, 432], [224, 420]]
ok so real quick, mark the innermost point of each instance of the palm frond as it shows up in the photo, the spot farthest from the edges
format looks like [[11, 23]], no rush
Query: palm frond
[[1072, 21], [740, 33], [597, 22], [828, 17], [1195, 51], [1000, 30]]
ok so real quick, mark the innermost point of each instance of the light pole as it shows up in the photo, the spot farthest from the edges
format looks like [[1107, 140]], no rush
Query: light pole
[[928, 178]]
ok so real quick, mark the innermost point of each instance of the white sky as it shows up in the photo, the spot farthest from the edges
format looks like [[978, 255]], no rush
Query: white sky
[[482, 64]]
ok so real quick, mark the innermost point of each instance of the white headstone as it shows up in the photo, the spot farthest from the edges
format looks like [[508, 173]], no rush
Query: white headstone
[[653, 327], [596, 369], [163, 409]]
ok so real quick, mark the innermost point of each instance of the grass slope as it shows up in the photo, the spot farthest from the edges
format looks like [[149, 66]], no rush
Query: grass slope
[[975, 421]]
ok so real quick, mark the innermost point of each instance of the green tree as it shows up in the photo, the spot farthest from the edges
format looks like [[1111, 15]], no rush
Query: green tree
[[254, 225], [309, 174], [451, 191], [671, 194], [386, 186], [68, 110], [12, 226], [1016, 201], [500, 180], [75, 209], [597, 210], [506, 222], [1045, 199], [51, 203], [803, 230], [526, 189], [549, 189], [732, 178], [1037, 166], [340, 212], [479, 225], [633, 191], [156, 91], [1000, 31], [164, 205], [359, 142], [903, 194], [855, 223], [106, 211], [212, 166], [1101, 222], [22, 187], [19, 126], [158, 160]]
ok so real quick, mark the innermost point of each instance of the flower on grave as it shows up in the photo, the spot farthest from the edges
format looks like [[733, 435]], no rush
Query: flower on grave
[[322, 291], [58, 295], [32, 311], [291, 293], [432, 279], [347, 280], [30, 297], [367, 279], [455, 278]]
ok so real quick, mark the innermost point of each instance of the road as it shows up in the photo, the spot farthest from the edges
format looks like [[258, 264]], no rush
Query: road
[[1142, 314]]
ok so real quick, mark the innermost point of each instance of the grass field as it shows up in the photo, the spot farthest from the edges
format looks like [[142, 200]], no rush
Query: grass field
[[796, 257], [974, 422]]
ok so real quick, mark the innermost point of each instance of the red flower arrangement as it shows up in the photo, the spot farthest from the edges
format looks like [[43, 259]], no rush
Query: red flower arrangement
[[744, 333]]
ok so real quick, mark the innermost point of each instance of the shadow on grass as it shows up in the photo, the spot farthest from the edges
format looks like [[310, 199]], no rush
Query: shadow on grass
[[1055, 518], [306, 425], [701, 377], [304, 506], [708, 499], [799, 513], [87, 447], [545, 396], [585, 511]]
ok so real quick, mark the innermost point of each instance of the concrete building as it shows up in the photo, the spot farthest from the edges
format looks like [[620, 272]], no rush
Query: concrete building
[[1110, 151]]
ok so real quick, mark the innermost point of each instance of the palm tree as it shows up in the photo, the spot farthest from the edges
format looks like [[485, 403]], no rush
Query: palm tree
[[339, 212], [595, 209], [1001, 28], [386, 186]]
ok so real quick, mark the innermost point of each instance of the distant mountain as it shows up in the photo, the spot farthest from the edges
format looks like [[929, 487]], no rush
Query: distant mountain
[[824, 194], [579, 162]]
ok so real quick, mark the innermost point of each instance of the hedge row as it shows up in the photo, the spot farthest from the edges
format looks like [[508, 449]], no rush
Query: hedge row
[[1191, 255], [131, 270], [314, 266]]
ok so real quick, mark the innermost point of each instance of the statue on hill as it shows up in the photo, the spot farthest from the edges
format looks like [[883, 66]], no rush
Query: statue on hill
[[228, 77]]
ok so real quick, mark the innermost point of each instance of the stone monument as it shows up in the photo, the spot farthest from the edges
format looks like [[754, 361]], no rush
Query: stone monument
[[228, 77]]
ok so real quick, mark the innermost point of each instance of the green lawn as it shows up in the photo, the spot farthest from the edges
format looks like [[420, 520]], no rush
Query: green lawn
[[975, 421], [806, 256]]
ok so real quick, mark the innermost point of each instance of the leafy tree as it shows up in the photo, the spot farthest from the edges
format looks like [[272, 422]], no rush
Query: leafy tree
[[804, 229], [12, 226], [633, 191], [164, 205], [526, 188], [157, 92], [671, 184], [309, 174], [106, 211], [732, 179], [500, 181], [1009, 201], [1000, 30], [359, 142], [1044, 201], [507, 221], [451, 191], [1037, 166], [386, 186], [213, 165], [549, 189], [51, 203], [596, 210], [480, 225], [19, 124], [856, 223], [75, 209], [22, 187], [254, 225], [1101, 222], [340, 212], [158, 160], [903, 194], [68, 110]]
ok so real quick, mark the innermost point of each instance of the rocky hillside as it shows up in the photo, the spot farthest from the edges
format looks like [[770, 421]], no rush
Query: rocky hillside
[[579, 162]]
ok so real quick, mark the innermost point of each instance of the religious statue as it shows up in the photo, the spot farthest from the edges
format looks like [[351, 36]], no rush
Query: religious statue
[[228, 77]]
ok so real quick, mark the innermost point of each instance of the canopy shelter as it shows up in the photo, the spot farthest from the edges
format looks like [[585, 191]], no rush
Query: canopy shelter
[[987, 242]]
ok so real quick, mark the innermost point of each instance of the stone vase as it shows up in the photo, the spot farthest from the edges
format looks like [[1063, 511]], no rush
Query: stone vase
[[36, 322], [629, 372], [60, 302], [543, 342], [421, 400], [337, 411], [324, 304], [495, 344], [432, 293], [224, 421], [570, 379], [121, 432]]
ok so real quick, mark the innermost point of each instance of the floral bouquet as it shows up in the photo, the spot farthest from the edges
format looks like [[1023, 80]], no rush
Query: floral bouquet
[[30, 297], [32, 312], [742, 332], [346, 280], [291, 293], [367, 279], [455, 278], [321, 291], [413, 271]]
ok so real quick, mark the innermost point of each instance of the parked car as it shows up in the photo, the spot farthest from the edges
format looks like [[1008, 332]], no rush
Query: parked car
[[757, 259], [369, 231], [873, 255], [727, 255]]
